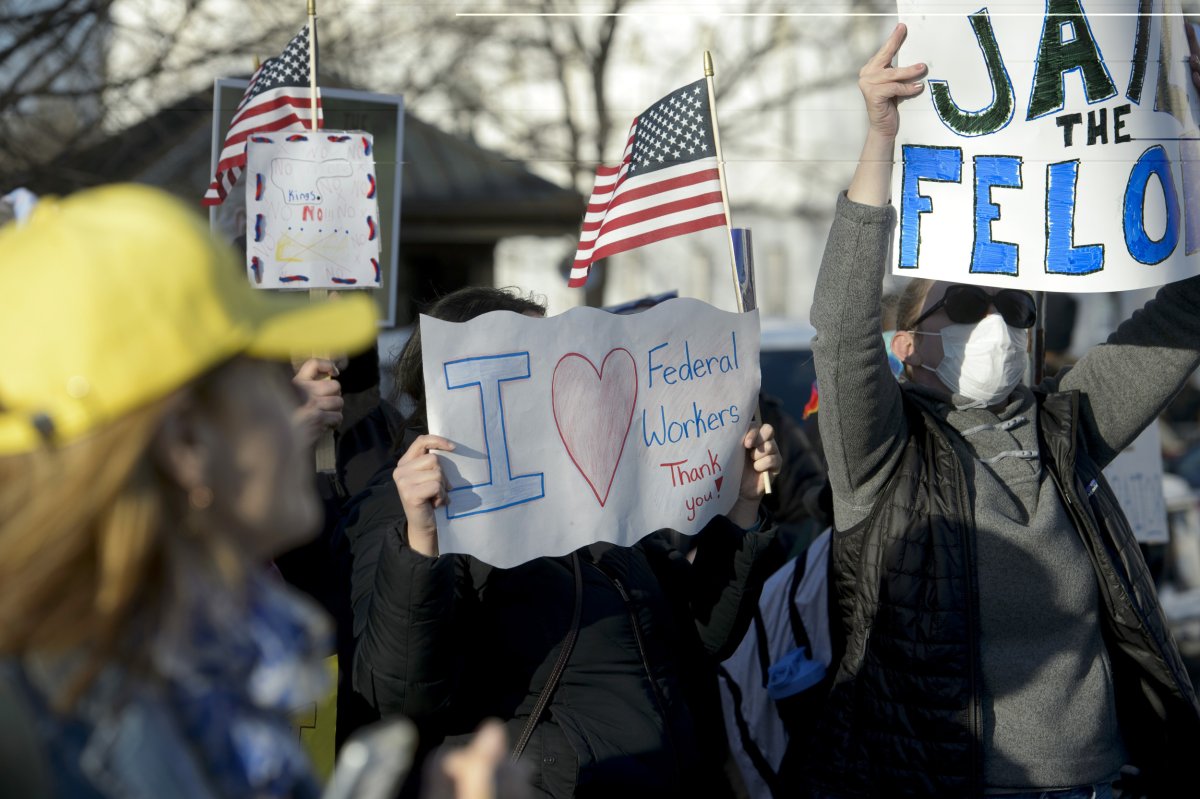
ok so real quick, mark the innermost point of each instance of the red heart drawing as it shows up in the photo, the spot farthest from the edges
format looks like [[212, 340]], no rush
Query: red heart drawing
[[593, 410], [719, 480]]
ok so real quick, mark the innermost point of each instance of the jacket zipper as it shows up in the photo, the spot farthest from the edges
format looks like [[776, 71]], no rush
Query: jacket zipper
[[975, 712], [973, 648], [658, 697]]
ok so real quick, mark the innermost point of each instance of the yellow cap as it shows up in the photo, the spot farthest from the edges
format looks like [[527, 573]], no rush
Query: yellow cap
[[116, 296]]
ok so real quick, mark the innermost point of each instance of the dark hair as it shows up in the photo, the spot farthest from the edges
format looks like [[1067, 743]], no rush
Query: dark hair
[[457, 306], [912, 299]]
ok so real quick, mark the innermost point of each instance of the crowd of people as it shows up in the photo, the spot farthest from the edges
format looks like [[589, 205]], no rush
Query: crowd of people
[[978, 622]]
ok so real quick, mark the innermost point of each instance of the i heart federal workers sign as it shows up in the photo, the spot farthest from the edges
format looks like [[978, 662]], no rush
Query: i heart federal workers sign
[[588, 426]]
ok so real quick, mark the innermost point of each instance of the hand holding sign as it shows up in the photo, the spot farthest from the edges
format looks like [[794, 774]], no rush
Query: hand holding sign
[[762, 457], [323, 403], [422, 488]]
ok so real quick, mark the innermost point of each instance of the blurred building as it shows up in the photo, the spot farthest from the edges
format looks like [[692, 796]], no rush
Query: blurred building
[[458, 200]]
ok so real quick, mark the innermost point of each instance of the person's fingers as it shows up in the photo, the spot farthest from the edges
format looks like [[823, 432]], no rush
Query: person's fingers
[[423, 444], [473, 769], [420, 487], [768, 463], [320, 388], [421, 462], [887, 51], [902, 75], [903, 91], [332, 403], [751, 439], [316, 369], [328, 418], [491, 742]]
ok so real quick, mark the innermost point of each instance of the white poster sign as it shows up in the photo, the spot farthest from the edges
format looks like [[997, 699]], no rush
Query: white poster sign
[[312, 215], [588, 426], [1136, 477], [1046, 148]]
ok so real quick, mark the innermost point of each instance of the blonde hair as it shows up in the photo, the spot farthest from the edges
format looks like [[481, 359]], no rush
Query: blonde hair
[[911, 301], [87, 533]]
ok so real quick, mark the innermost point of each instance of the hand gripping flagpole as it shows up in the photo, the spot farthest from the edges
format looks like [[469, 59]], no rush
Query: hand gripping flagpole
[[326, 455], [742, 235]]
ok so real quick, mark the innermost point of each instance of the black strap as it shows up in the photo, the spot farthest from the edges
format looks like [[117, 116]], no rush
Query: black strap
[[560, 665], [799, 633], [757, 758]]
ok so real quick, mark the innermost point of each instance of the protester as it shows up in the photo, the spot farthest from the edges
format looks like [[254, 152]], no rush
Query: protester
[[149, 470], [448, 640], [342, 399], [999, 631]]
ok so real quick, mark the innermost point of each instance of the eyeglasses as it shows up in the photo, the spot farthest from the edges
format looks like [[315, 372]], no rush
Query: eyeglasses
[[966, 305]]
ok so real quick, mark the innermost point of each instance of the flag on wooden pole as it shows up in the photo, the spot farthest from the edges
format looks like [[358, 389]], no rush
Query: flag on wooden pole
[[278, 98], [667, 183]]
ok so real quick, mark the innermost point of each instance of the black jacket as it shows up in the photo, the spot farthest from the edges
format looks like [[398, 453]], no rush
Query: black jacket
[[903, 716], [450, 641]]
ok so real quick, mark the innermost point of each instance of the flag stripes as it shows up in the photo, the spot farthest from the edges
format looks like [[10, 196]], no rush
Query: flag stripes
[[668, 183]]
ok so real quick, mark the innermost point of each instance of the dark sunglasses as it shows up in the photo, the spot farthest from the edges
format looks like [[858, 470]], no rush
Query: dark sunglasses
[[966, 305]]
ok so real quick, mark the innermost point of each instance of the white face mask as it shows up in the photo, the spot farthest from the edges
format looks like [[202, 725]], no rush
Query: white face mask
[[983, 362]]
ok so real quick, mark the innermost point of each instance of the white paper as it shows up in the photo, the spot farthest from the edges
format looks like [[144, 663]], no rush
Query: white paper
[[999, 197], [312, 215], [588, 426], [1136, 477]]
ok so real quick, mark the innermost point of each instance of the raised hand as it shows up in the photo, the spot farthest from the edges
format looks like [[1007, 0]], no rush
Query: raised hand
[[883, 87]]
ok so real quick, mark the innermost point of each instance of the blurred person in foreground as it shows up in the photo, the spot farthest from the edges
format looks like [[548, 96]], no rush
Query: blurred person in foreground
[[149, 470], [997, 627]]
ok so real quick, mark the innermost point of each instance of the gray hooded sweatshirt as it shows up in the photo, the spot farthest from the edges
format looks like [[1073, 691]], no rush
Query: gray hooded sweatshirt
[[1049, 716]]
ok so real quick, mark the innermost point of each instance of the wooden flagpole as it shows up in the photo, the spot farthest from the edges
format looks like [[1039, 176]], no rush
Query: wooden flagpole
[[709, 72], [312, 59], [712, 110], [326, 454]]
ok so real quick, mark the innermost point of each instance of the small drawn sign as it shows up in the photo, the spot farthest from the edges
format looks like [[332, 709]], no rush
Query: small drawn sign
[[1136, 477], [588, 426], [1054, 147], [312, 215]]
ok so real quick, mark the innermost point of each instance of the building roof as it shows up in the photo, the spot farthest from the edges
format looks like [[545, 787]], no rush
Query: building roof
[[452, 189]]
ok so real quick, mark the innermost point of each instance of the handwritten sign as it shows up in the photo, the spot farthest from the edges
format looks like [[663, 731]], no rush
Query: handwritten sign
[[1046, 150], [1136, 477], [588, 426], [312, 216]]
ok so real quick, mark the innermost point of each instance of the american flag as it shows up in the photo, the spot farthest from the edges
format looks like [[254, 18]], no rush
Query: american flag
[[667, 184], [276, 99]]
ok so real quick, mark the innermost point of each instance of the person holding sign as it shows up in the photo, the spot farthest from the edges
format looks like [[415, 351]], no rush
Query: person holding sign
[[999, 631], [601, 663]]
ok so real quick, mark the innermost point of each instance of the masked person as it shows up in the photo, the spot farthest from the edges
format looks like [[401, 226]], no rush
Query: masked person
[[999, 633], [448, 640], [149, 470]]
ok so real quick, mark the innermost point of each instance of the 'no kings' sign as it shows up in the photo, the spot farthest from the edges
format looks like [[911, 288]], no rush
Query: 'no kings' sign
[[1055, 146]]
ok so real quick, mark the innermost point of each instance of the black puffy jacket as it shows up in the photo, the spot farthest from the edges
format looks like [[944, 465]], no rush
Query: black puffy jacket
[[450, 641], [903, 716]]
